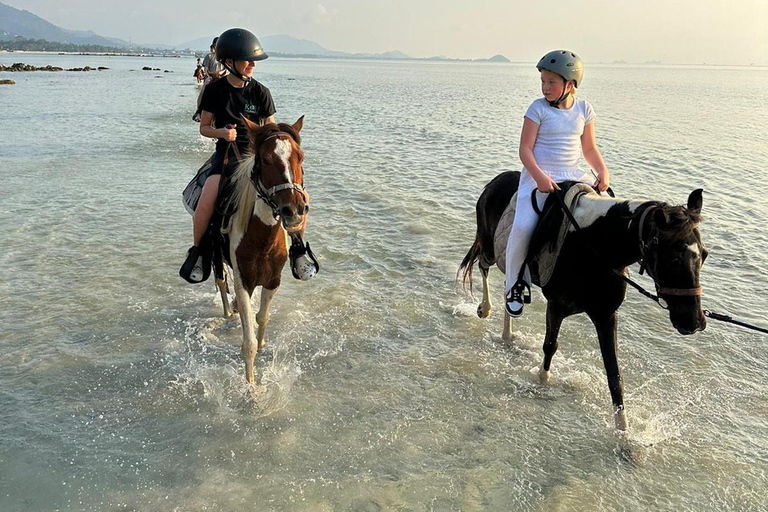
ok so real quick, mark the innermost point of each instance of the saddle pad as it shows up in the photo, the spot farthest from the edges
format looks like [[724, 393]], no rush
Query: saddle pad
[[547, 257], [503, 228], [191, 194]]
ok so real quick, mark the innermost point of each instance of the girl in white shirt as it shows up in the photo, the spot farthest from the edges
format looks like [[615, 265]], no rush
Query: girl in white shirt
[[556, 130]]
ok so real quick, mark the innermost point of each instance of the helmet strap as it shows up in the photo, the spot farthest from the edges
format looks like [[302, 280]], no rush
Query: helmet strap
[[233, 69], [556, 103]]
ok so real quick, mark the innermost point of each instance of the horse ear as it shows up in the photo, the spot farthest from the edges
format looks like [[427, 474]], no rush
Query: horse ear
[[249, 124], [660, 218], [298, 124], [695, 201]]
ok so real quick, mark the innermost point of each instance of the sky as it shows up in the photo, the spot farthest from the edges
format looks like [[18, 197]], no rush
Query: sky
[[670, 31]]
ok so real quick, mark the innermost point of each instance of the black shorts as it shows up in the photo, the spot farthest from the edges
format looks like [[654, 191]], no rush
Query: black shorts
[[217, 162]]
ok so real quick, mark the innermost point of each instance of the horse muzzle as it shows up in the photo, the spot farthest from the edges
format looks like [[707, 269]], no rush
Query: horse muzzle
[[688, 322]]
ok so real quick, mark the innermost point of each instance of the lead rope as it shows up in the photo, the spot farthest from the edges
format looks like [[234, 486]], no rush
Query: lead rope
[[709, 314]]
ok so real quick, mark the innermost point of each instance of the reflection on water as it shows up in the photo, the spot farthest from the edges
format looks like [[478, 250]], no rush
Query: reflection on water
[[122, 387]]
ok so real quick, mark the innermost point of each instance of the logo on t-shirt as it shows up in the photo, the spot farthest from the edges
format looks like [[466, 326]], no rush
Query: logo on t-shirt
[[250, 109]]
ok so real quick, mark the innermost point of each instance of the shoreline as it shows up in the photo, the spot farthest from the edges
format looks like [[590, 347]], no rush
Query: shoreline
[[278, 55]]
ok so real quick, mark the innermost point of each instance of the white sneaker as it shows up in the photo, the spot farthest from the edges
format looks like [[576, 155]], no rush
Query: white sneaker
[[515, 301]]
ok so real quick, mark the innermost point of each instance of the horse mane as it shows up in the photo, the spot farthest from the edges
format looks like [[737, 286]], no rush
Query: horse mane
[[680, 221], [244, 191]]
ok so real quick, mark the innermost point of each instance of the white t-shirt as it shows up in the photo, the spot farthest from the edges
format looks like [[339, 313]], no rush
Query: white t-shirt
[[558, 144]]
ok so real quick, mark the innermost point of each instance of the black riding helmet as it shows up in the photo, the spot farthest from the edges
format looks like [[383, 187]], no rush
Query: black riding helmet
[[213, 43], [238, 44]]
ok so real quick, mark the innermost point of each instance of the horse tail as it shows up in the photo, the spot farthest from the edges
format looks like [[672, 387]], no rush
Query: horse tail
[[468, 262]]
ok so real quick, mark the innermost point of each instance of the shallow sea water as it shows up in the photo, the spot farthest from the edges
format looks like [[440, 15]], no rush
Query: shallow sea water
[[122, 387]]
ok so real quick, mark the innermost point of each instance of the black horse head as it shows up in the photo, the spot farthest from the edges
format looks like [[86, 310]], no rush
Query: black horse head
[[673, 253]]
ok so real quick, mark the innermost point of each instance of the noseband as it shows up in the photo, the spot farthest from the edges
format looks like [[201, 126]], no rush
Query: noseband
[[267, 194], [648, 249]]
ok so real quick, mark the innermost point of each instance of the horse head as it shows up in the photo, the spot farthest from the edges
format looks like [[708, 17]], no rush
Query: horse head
[[277, 172], [673, 254]]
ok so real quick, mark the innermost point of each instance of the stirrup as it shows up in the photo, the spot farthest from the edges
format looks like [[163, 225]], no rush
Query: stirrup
[[516, 298], [304, 265], [195, 259]]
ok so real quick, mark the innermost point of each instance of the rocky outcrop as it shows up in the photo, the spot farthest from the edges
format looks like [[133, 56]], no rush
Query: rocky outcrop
[[7, 81], [20, 66]]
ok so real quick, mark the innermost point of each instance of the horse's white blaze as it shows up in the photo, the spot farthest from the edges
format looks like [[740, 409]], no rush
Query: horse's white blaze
[[694, 248], [283, 152]]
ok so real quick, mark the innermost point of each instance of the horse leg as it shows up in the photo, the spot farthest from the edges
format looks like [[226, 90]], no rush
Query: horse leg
[[250, 346], [606, 327], [484, 308], [222, 284], [262, 316], [506, 335], [554, 321]]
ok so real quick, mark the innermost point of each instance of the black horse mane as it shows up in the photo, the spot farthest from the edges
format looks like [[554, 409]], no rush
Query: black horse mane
[[678, 221]]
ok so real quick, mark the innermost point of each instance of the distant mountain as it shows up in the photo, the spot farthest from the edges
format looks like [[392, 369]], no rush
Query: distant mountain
[[288, 45], [283, 45], [15, 22]]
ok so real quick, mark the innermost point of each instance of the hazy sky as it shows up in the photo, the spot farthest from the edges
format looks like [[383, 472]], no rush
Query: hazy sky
[[672, 31]]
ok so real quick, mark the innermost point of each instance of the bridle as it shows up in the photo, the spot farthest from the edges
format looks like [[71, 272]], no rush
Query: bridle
[[267, 194], [649, 262]]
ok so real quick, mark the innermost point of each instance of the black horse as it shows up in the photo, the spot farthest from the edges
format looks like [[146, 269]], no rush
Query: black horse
[[613, 233]]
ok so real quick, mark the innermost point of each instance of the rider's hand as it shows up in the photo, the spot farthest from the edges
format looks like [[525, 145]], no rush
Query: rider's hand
[[230, 134], [545, 184], [602, 182]]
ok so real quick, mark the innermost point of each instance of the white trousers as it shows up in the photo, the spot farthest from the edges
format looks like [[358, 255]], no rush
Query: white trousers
[[526, 219]]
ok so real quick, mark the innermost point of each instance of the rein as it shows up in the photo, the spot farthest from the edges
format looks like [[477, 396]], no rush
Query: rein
[[266, 194], [620, 275], [644, 249]]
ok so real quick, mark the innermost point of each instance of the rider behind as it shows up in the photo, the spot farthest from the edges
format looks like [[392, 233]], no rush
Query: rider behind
[[556, 129], [213, 70], [224, 101]]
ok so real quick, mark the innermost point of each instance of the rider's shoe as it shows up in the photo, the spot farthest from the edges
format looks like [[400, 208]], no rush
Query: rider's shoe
[[193, 270], [196, 116], [515, 300]]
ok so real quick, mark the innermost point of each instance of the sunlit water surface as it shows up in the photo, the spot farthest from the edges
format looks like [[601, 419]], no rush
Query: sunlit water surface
[[121, 387]]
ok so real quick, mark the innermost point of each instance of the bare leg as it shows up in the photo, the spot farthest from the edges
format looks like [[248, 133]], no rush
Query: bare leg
[[606, 327], [262, 316], [484, 309], [554, 321], [205, 207], [250, 346]]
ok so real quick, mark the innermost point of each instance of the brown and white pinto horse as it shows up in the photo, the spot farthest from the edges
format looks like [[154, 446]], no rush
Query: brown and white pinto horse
[[270, 206], [613, 234]]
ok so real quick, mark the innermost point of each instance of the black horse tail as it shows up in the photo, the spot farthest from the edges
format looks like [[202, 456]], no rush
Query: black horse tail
[[468, 262]]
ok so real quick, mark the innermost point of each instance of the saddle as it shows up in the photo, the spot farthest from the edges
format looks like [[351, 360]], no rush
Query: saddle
[[214, 245], [547, 239]]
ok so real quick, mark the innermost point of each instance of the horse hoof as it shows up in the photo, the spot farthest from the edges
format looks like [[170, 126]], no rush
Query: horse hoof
[[544, 376], [483, 312], [620, 418]]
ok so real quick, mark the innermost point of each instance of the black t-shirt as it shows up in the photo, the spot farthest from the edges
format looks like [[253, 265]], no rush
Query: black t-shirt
[[226, 103]]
